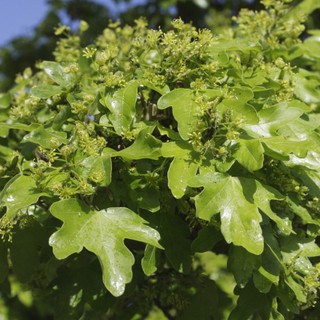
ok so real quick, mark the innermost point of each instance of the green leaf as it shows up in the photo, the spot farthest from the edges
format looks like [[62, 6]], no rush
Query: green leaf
[[184, 165], [243, 94], [162, 90], [61, 117], [174, 238], [20, 193], [145, 146], [298, 290], [45, 91], [240, 218], [263, 194], [5, 100], [20, 126], [284, 147], [5, 153], [25, 253], [101, 232], [300, 211], [304, 8], [206, 239], [149, 260], [271, 265], [252, 302], [293, 246], [184, 109], [250, 154], [271, 119], [122, 106], [204, 304], [42, 137], [4, 267], [98, 164], [306, 89], [242, 264], [240, 109], [56, 72]]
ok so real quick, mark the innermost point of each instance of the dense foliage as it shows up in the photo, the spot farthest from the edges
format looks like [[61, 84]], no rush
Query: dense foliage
[[173, 175]]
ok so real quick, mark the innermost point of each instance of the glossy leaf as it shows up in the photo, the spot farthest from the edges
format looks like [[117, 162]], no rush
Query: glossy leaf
[[240, 218], [96, 164], [145, 146], [56, 72], [285, 147], [271, 119], [183, 166], [42, 137], [20, 193], [149, 260], [250, 154], [294, 246], [101, 232], [122, 106], [184, 109]]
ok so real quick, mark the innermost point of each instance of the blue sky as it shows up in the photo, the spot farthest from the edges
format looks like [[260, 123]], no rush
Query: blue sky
[[19, 17]]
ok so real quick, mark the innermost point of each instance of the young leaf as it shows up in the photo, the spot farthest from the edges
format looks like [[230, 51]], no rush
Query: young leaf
[[285, 147], [122, 105], [45, 91], [145, 146], [56, 72], [240, 219], [184, 165], [101, 232], [93, 164], [42, 137], [184, 109], [20, 192], [271, 119], [250, 154], [149, 260]]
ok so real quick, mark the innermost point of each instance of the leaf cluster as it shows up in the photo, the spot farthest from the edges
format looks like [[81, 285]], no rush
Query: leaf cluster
[[163, 174]]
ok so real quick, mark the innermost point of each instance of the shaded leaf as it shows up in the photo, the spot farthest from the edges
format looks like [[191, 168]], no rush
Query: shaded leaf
[[174, 238], [242, 264], [149, 260], [206, 239], [4, 267]]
